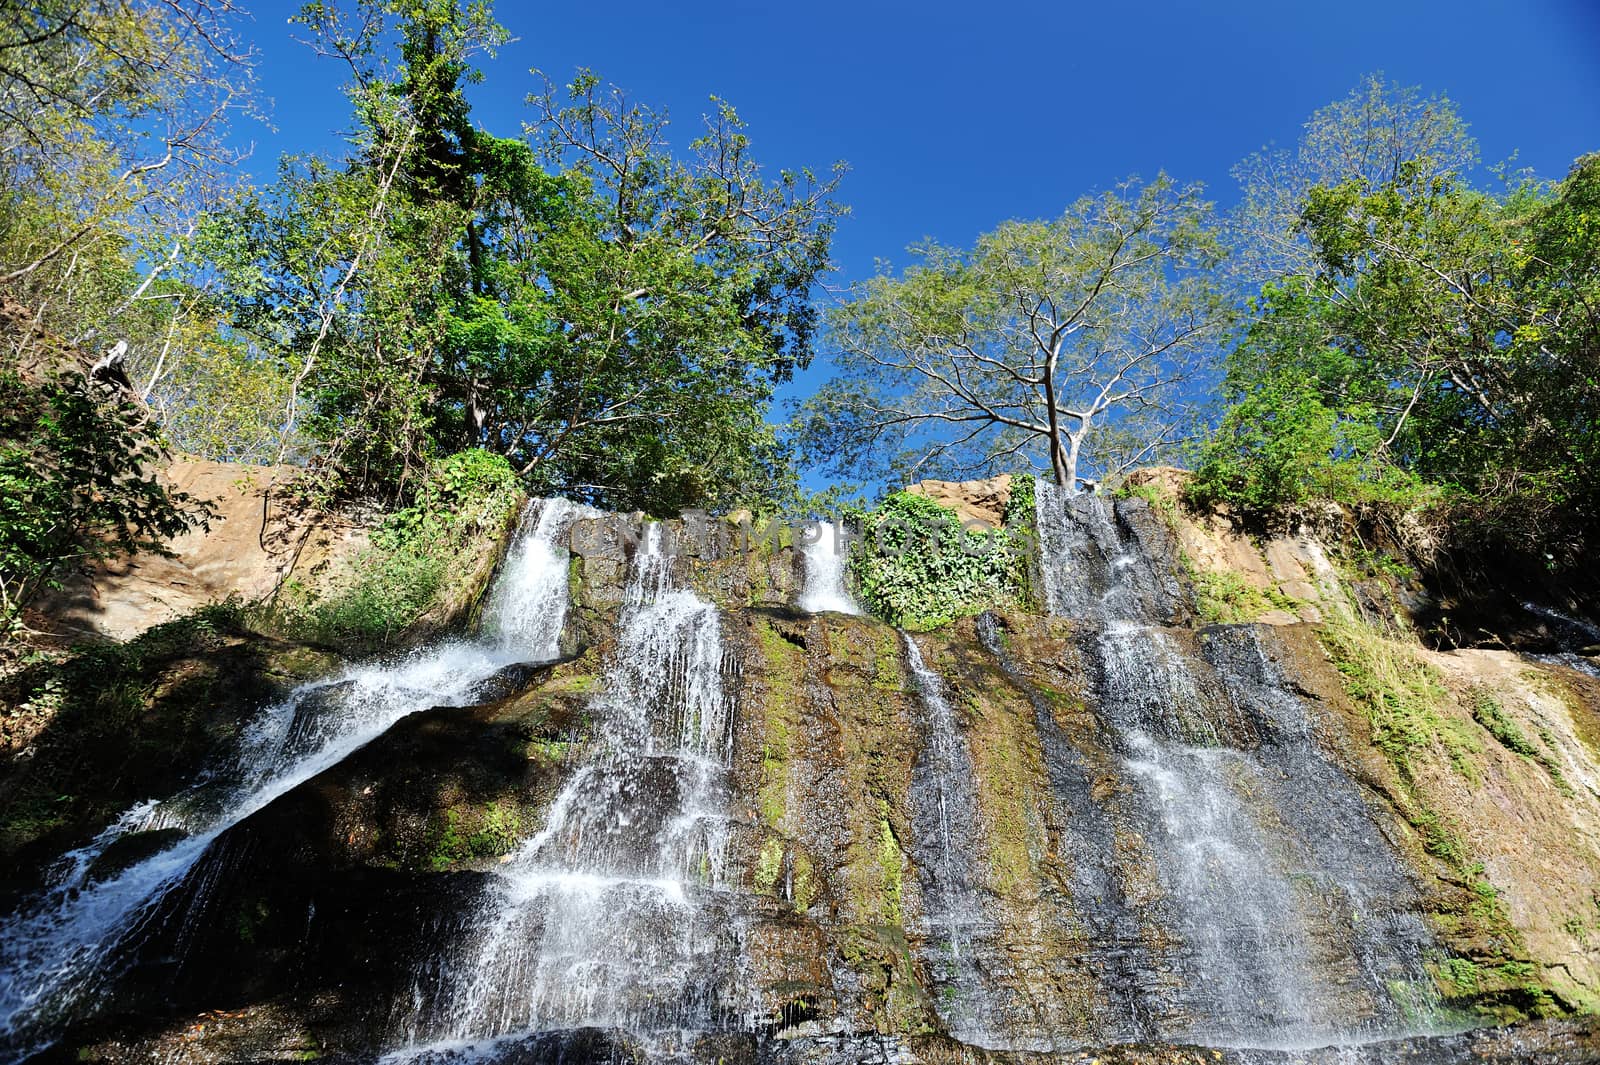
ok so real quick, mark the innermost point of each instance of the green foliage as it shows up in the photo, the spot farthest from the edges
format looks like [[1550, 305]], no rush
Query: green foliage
[[1287, 439], [113, 135], [1462, 975], [1403, 697], [496, 830], [917, 566], [1368, 136], [1487, 711], [1225, 597], [1021, 505], [1161, 501], [1442, 350], [416, 560], [609, 315], [75, 481]]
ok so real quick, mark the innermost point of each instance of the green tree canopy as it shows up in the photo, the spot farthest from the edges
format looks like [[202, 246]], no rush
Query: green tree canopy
[[609, 316], [1449, 339]]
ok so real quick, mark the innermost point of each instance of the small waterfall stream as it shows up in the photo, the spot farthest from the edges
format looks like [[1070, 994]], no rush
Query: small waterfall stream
[[821, 543], [1282, 888], [617, 913], [60, 951], [943, 786]]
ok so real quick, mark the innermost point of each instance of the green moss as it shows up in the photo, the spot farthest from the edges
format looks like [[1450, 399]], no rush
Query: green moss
[[488, 833], [498, 832], [250, 917], [1402, 695], [783, 668], [887, 674], [891, 863], [805, 883], [1226, 598], [1488, 712], [768, 866], [1461, 976], [882, 958]]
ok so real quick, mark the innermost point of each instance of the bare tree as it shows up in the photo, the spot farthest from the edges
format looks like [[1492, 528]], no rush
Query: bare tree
[[1073, 342]]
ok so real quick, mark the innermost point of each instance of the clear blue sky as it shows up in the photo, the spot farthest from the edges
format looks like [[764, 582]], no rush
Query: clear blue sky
[[954, 117]]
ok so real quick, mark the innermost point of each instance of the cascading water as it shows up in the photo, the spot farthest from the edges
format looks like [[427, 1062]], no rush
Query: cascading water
[[60, 951], [942, 791], [1289, 901], [822, 545], [617, 913]]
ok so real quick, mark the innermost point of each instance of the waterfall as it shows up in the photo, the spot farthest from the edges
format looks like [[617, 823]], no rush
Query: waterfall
[[617, 912], [528, 606], [822, 545], [58, 952], [942, 791], [1290, 904]]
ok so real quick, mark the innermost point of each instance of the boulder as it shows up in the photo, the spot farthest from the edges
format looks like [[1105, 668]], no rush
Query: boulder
[[983, 501]]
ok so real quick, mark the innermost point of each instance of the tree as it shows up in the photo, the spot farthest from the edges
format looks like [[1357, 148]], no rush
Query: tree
[[611, 318], [1075, 341], [1297, 426], [113, 135], [76, 448], [626, 317], [1451, 337], [113, 124], [1379, 128]]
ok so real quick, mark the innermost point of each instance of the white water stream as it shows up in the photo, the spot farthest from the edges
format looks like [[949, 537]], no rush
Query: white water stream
[[1275, 877], [823, 546], [611, 915], [57, 952]]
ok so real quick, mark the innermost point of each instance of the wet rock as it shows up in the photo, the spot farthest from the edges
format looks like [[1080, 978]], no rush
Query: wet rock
[[132, 848]]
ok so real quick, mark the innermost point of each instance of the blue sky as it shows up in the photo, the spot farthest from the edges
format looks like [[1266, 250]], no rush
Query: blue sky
[[954, 117]]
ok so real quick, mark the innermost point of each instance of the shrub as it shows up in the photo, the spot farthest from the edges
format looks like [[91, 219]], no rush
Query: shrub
[[417, 557], [76, 481], [919, 568]]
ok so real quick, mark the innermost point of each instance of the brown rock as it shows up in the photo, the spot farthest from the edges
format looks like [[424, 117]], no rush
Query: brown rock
[[253, 542], [983, 501]]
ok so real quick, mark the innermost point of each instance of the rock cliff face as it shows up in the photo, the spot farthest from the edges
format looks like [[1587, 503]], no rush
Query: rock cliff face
[[259, 546], [1161, 815]]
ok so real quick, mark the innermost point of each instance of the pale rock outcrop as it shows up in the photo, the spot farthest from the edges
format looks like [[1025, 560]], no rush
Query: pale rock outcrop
[[255, 539], [983, 501]]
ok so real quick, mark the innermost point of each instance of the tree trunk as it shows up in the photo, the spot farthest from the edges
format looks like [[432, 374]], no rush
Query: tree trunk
[[1058, 461], [1071, 461]]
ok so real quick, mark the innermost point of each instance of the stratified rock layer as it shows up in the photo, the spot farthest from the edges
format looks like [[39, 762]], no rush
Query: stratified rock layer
[[1017, 892]]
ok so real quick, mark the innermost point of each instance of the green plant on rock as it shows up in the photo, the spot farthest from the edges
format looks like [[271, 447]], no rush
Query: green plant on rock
[[1402, 696], [1162, 502], [1021, 503], [1225, 598], [1487, 711], [919, 568], [1461, 975], [419, 556], [498, 832], [769, 864]]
